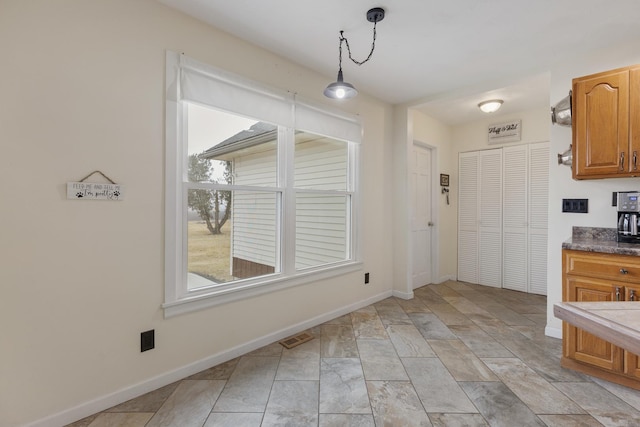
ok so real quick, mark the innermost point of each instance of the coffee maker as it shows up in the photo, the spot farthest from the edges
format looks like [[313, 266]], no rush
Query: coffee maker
[[628, 216]]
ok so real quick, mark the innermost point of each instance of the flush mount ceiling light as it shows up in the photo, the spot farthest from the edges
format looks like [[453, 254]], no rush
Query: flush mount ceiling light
[[341, 89], [490, 106]]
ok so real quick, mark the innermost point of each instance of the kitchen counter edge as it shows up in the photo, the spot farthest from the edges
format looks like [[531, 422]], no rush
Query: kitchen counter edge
[[602, 246]]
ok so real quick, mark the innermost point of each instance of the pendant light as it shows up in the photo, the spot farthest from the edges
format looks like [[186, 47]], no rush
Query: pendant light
[[341, 89]]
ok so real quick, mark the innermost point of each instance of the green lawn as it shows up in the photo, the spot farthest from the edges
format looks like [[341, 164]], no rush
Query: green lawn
[[209, 255]]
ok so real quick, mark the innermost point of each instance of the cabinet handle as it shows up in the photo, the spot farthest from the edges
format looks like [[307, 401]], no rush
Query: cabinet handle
[[635, 160], [617, 293], [623, 271], [632, 295], [622, 161]]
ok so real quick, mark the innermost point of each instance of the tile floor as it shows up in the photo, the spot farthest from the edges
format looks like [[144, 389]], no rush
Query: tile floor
[[455, 355]]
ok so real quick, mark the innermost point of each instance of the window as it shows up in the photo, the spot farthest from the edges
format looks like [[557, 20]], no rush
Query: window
[[261, 189]]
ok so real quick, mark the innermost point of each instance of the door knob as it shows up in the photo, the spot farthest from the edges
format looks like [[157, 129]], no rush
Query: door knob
[[430, 224]]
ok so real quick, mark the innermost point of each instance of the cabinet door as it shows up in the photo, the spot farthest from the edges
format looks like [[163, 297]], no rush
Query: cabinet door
[[583, 346], [632, 361], [634, 119], [601, 125]]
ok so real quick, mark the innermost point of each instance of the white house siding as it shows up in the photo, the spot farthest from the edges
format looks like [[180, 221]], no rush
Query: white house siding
[[321, 165], [321, 219], [254, 227], [321, 227], [258, 168], [254, 213]]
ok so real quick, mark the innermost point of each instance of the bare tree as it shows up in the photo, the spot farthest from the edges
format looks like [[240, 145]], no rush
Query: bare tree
[[209, 204]]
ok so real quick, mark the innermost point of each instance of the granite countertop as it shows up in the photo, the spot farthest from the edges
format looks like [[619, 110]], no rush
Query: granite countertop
[[596, 239]]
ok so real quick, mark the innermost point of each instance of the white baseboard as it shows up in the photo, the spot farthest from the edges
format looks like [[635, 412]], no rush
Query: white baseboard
[[105, 402], [553, 332], [402, 295], [443, 279]]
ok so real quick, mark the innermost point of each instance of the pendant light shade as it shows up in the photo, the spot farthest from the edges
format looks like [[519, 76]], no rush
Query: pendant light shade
[[340, 89]]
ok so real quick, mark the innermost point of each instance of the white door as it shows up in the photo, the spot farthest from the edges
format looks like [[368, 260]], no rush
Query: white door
[[468, 173], [538, 212], [421, 221], [515, 221], [490, 216]]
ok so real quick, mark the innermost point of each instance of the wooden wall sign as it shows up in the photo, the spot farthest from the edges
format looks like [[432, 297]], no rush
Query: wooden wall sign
[[82, 190], [505, 132], [94, 191]]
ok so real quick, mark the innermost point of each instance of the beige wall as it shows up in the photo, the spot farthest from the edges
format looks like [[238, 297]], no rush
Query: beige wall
[[435, 134], [82, 90], [452, 140], [473, 136], [536, 127], [598, 191]]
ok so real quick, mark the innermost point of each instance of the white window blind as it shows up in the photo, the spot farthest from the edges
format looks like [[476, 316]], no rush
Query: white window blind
[[207, 85], [321, 121]]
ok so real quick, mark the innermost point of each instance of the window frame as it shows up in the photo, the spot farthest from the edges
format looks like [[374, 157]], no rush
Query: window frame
[[178, 298]]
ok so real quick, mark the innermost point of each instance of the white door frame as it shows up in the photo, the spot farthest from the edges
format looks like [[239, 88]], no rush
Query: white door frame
[[435, 194]]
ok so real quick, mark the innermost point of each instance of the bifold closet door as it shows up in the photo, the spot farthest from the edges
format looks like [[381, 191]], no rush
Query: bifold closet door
[[490, 219], [516, 222], [468, 182], [502, 217], [525, 207], [538, 216], [480, 217]]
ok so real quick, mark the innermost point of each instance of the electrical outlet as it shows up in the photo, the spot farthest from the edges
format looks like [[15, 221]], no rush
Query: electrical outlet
[[575, 205], [147, 340], [366, 278]]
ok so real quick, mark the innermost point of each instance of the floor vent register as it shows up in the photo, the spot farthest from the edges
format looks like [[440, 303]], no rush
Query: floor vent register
[[296, 340]]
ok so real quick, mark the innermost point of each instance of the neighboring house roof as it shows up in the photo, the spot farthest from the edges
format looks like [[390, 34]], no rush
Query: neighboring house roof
[[257, 134]]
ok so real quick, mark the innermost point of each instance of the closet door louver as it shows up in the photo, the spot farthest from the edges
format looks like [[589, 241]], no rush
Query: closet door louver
[[468, 217], [490, 216], [515, 206], [538, 216]]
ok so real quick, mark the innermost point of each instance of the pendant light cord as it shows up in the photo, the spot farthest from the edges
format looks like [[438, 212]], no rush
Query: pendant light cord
[[344, 39]]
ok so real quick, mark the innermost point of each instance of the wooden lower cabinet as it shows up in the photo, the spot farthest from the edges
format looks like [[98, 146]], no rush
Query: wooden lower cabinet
[[632, 361], [583, 346], [589, 276], [632, 365]]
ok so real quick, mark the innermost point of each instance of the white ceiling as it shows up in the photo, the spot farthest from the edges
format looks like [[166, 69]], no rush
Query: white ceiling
[[443, 56]]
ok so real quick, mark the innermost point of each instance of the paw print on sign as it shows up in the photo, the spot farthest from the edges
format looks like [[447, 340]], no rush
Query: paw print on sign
[[116, 194], [79, 194]]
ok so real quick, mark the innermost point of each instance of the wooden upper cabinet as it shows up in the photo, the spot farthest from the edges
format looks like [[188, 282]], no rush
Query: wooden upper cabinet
[[601, 143], [634, 116], [606, 124]]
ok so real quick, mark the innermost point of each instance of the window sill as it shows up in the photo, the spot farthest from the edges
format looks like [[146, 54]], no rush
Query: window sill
[[216, 297]]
